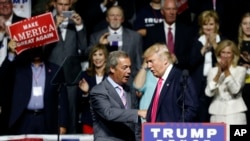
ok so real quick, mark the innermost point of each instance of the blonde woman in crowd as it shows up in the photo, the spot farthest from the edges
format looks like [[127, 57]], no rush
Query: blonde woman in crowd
[[244, 46], [224, 84], [203, 57]]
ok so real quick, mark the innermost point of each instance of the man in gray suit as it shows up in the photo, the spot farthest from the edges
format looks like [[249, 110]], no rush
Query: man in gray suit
[[118, 37], [72, 42], [114, 107]]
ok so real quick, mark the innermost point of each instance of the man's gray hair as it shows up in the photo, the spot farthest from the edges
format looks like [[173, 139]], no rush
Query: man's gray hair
[[113, 59]]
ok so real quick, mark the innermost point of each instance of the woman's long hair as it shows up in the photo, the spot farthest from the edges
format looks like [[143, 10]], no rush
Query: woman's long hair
[[91, 69]]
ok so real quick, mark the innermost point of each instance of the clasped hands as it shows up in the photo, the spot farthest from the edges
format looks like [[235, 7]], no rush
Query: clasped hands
[[246, 58], [210, 43], [223, 66]]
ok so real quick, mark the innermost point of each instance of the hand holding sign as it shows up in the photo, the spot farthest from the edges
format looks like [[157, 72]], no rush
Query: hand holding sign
[[12, 46], [34, 32]]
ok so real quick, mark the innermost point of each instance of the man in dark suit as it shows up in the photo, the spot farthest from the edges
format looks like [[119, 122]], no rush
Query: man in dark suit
[[34, 105], [130, 41], [176, 99], [7, 17], [182, 34], [114, 107], [72, 42], [94, 12]]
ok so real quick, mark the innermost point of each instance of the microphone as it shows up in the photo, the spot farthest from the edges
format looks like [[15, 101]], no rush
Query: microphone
[[185, 75]]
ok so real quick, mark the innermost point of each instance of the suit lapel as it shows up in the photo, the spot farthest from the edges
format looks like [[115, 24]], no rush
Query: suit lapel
[[161, 33], [112, 92], [166, 86], [49, 74], [125, 39]]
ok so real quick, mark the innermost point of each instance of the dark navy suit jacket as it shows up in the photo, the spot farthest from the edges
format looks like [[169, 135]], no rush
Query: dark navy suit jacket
[[84, 103], [5, 90], [22, 92], [171, 100]]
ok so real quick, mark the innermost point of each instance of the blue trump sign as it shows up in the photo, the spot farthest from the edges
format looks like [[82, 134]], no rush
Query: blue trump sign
[[184, 132]]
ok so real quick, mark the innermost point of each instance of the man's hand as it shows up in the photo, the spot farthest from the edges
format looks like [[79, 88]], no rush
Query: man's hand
[[63, 130], [12, 46], [142, 113], [104, 39], [76, 18], [59, 20]]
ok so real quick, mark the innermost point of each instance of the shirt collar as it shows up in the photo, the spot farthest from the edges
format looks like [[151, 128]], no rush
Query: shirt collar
[[112, 82], [166, 26], [118, 31], [40, 65], [167, 71]]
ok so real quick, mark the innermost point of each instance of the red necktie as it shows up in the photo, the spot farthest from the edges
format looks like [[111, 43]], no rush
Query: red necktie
[[156, 99], [170, 40]]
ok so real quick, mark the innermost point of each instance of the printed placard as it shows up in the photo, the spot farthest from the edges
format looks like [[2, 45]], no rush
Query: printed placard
[[183, 131], [34, 32]]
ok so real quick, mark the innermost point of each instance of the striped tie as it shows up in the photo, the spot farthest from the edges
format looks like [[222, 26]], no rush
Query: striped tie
[[123, 97]]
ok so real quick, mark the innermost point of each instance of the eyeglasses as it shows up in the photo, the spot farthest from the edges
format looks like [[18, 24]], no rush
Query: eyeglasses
[[6, 3]]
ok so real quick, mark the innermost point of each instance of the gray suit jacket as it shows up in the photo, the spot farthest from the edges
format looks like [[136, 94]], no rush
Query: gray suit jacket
[[132, 44], [112, 122], [75, 42]]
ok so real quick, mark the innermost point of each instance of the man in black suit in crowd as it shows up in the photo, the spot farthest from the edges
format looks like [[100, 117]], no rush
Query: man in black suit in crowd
[[182, 34]]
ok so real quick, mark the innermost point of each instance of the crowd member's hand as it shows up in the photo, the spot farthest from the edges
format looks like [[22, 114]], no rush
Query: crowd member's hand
[[76, 18], [245, 56], [208, 45], [205, 49], [104, 39], [59, 19], [12, 45], [212, 40], [223, 66], [63, 130], [84, 86]]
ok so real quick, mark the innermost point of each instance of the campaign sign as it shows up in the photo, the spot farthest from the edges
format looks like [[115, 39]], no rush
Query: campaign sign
[[33, 32], [183, 131]]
